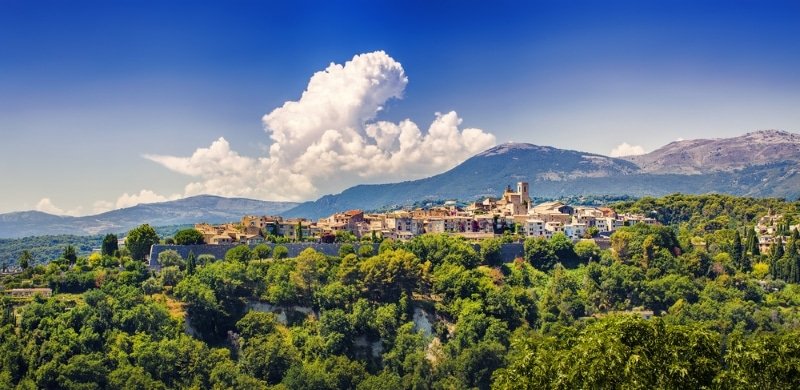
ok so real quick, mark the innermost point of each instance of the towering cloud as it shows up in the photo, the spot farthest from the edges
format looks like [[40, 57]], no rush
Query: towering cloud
[[329, 140], [626, 149]]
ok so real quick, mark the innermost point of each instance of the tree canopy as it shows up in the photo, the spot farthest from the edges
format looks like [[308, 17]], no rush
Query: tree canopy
[[139, 240], [189, 237], [687, 304]]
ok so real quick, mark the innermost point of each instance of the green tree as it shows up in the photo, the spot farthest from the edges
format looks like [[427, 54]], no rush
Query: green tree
[[491, 251], [169, 258], [616, 352], [587, 250], [261, 251], [761, 361], [110, 245], [391, 273], [349, 270], [737, 251], [267, 357], [775, 264], [752, 242], [191, 263], [791, 259], [561, 301], [255, 324], [280, 252], [139, 240], [298, 231], [240, 253], [309, 269], [365, 250], [563, 248], [346, 249], [540, 253], [189, 237], [25, 259], [443, 248], [70, 254]]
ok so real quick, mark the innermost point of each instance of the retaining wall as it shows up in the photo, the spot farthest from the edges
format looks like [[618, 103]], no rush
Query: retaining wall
[[219, 251], [507, 251]]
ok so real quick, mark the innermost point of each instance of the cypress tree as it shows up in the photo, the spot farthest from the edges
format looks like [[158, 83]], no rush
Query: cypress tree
[[752, 242], [773, 268], [70, 254], [775, 264], [737, 251], [191, 263], [792, 259], [299, 231], [777, 249]]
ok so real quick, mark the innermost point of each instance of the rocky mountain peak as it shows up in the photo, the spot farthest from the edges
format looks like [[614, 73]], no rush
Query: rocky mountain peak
[[722, 154]]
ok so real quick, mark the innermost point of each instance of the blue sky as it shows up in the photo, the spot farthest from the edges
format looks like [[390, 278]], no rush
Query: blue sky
[[88, 88]]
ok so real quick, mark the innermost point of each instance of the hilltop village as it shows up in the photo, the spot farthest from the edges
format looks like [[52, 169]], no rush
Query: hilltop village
[[513, 213]]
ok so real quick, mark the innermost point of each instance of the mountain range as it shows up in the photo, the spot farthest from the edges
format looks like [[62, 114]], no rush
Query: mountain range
[[762, 163], [203, 208]]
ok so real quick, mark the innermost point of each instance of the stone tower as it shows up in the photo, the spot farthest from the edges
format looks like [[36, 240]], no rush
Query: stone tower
[[524, 195]]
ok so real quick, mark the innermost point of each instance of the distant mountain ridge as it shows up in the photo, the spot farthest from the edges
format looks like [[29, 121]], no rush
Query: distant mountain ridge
[[203, 208], [762, 163], [721, 154], [485, 174]]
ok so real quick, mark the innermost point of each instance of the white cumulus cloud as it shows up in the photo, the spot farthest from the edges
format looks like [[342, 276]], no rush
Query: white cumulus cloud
[[101, 206], [625, 149], [144, 196], [46, 205], [329, 140]]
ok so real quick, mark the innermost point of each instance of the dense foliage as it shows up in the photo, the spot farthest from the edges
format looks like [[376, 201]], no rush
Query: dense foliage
[[139, 240], [189, 236], [45, 248], [689, 305]]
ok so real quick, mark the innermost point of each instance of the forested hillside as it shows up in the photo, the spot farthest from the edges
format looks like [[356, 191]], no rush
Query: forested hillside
[[690, 304], [43, 249]]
